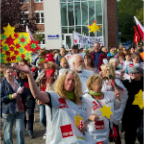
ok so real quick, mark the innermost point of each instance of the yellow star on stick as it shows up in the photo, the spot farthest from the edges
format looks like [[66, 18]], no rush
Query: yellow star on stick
[[93, 28], [106, 111], [139, 99], [77, 119], [9, 30]]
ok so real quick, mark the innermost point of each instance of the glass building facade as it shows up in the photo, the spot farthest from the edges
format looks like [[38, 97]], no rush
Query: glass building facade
[[76, 15]]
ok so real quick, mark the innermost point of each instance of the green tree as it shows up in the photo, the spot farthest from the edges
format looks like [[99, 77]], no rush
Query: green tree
[[127, 9], [140, 14], [38, 36]]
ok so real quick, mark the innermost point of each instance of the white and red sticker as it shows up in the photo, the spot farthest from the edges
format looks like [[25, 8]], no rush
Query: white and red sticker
[[95, 106], [131, 65], [99, 124], [66, 131], [62, 103]]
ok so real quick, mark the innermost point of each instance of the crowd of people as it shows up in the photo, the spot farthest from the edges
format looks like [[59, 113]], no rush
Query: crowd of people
[[70, 88]]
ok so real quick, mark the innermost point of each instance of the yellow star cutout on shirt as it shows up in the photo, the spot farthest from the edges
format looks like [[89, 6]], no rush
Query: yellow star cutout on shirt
[[77, 119], [106, 111], [94, 28], [139, 99], [9, 30]]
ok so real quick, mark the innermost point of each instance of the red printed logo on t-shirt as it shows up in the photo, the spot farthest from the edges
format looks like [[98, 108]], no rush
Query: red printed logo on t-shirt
[[66, 131], [95, 106], [131, 65], [121, 63], [62, 103], [68, 57], [99, 124]]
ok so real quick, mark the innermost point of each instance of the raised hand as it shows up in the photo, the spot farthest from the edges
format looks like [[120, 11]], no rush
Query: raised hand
[[24, 68]]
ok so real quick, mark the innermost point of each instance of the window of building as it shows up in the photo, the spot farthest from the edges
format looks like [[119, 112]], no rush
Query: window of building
[[25, 1], [39, 17], [76, 15], [24, 17], [38, 1]]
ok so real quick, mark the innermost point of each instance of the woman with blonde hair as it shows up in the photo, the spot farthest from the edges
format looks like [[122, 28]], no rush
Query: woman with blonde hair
[[66, 111], [99, 127], [114, 62], [110, 82]]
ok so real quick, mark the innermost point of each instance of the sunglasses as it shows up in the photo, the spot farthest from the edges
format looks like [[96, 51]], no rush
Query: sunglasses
[[134, 73]]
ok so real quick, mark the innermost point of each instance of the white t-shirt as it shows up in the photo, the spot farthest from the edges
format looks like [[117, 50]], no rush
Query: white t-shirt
[[61, 119], [99, 130], [123, 95]]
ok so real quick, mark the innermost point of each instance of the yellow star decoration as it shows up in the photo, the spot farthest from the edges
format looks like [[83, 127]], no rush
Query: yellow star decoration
[[9, 30], [139, 99], [106, 111], [77, 119], [81, 138], [94, 27]]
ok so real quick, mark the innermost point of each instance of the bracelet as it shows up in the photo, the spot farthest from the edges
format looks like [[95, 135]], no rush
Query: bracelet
[[10, 96]]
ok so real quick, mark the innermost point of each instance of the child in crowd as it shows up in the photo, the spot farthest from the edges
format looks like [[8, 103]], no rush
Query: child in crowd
[[127, 60], [113, 52], [135, 62], [121, 58], [63, 63]]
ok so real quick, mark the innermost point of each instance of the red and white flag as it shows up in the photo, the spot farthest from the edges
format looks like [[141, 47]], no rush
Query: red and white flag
[[30, 35], [136, 36], [140, 28]]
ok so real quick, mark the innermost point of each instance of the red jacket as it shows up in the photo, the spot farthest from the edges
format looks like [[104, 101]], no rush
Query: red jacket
[[101, 57]]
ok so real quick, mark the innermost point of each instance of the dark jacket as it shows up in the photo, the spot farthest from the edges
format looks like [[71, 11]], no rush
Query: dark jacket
[[132, 113], [101, 57], [57, 61], [8, 106]]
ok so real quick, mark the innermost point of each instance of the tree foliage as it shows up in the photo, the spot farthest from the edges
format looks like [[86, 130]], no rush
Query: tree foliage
[[140, 15], [127, 9], [12, 12], [38, 36]]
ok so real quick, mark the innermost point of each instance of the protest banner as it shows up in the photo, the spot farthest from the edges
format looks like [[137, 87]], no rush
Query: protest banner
[[86, 40]]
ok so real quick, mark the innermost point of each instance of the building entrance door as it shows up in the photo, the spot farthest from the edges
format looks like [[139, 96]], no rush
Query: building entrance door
[[68, 40]]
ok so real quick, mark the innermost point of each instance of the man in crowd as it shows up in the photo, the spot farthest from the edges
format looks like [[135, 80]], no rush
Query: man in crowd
[[98, 56], [77, 63], [33, 57], [13, 96]]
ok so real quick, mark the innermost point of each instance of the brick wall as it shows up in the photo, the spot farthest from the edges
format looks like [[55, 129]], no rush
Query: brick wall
[[35, 6], [112, 22]]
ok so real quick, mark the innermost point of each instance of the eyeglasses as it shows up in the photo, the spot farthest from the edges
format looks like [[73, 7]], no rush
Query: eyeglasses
[[134, 73]]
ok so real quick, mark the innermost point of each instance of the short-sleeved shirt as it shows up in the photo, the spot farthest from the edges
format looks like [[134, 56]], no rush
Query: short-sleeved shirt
[[63, 117]]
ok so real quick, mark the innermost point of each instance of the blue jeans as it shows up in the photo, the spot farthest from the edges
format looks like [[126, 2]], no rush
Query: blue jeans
[[42, 115], [31, 115], [8, 120]]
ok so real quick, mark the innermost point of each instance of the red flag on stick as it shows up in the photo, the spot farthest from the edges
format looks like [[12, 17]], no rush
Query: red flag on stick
[[140, 28], [136, 36]]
